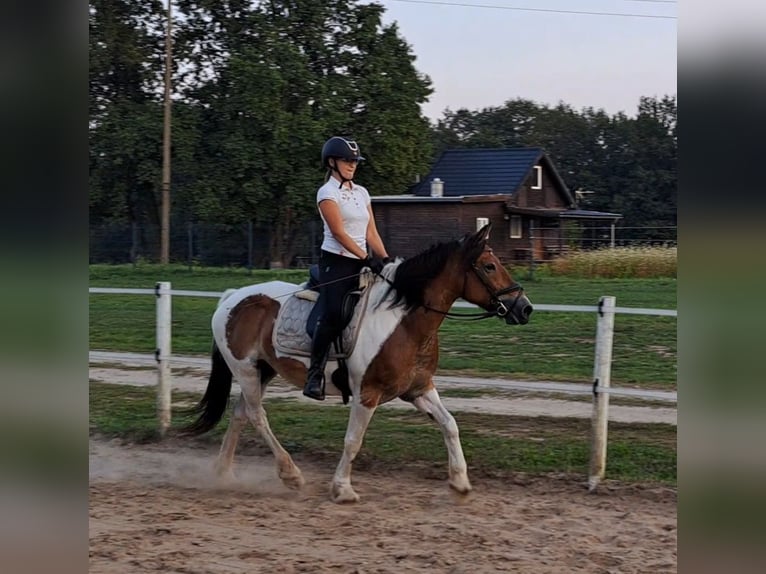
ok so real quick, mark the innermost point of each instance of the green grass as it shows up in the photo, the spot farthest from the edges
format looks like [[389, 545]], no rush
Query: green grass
[[495, 446], [553, 346]]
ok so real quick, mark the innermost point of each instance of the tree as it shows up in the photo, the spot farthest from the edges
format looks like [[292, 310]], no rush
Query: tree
[[386, 93], [280, 78], [652, 197], [126, 49]]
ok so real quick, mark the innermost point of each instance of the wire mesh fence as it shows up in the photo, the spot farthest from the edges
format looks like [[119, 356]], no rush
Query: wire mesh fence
[[206, 244], [588, 237], [253, 246]]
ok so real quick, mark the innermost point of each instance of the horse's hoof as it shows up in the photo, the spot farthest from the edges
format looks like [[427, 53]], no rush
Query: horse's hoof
[[343, 494], [461, 487], [293, 480], [225, 476]]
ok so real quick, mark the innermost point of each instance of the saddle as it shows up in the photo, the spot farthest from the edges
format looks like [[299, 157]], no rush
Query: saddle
[[298, 315]]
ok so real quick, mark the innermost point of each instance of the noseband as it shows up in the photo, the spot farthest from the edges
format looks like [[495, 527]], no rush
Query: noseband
[[500, 309]]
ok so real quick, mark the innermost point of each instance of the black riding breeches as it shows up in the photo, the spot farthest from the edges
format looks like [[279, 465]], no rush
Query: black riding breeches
[[338, 275]]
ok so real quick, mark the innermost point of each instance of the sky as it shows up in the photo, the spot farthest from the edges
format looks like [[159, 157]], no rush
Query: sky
[[481, 57]]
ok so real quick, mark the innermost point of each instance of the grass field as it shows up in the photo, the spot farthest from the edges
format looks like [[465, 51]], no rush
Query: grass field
[[495, 446], [553, 346]]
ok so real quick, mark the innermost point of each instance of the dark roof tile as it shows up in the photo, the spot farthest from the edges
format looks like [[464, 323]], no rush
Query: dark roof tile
[[481, 171]]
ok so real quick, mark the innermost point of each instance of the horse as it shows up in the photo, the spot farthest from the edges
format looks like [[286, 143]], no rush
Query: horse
[[395, 356]]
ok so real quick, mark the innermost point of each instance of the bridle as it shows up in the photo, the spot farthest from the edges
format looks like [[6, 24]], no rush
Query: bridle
[[500, 309]]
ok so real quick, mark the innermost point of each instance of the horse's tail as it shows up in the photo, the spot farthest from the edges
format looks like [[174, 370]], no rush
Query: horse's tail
[[213, 404]]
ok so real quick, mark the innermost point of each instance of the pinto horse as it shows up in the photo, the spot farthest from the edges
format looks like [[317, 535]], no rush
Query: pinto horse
[[395, 355]]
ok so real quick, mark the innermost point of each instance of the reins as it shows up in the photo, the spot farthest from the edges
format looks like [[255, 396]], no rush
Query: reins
[[463, 316], [500, 309], [307, 288]]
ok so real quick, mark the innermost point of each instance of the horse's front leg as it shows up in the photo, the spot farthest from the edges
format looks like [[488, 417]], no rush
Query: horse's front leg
[[358, 421], [430, 404]]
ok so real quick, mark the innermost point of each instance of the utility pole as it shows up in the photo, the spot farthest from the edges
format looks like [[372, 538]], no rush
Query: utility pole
[[165, 217]]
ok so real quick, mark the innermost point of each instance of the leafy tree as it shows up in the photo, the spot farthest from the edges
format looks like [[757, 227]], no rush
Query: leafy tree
[[652, 196], [126, 48], [282, 78], [258, 88], [386, 95]]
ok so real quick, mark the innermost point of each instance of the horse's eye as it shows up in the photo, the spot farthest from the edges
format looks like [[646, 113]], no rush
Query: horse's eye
[[489, 267]]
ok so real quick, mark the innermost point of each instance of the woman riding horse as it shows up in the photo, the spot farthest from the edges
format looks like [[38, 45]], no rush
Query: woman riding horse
[[349, 227]]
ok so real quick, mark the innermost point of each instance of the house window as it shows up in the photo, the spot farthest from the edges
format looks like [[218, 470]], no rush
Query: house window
[[537, 177], [515, 226], [481, 222]]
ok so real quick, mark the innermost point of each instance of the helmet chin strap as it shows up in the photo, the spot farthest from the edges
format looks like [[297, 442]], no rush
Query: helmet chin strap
[[334, 169]]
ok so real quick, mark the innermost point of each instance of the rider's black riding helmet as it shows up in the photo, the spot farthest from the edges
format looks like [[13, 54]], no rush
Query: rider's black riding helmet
[[342, 148]]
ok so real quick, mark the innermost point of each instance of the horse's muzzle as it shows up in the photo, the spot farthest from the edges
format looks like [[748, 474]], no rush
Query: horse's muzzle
[[519, 310]]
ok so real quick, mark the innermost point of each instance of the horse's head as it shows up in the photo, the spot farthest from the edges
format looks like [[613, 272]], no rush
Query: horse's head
[[489, 285]]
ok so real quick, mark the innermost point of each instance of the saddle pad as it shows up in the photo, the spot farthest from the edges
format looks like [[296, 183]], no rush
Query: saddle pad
[[290, 337]]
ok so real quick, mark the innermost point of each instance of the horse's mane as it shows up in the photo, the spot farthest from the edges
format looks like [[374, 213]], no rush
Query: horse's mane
[[413, 275]]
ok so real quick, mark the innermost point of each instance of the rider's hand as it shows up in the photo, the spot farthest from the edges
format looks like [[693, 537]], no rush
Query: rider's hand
[[375, 263]]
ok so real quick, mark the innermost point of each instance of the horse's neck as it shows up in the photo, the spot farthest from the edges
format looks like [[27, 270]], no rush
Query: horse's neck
[[444, 290], [446, 287], [422, 323]]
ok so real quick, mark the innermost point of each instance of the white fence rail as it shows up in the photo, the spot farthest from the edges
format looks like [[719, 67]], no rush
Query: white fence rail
[[601, 388]]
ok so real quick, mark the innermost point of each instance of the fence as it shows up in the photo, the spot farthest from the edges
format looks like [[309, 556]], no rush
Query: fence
[[591, 236], [248, 245], [207, 244], [547, 243], [601, 388]]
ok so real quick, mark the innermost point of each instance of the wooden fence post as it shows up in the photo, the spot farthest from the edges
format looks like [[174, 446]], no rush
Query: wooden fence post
[[602, 374], [162, 354]]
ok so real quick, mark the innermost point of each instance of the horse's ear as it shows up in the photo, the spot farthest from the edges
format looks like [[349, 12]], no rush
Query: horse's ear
[[475, 239], [473, 243], [483, 233]]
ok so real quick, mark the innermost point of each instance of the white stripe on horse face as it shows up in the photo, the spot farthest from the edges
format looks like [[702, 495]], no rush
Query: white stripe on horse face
[[378, 324]]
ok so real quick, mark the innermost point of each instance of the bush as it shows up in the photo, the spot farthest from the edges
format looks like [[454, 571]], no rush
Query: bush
[[620, 262]]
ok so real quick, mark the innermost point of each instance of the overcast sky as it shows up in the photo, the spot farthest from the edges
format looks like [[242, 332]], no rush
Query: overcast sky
[[479, 57]]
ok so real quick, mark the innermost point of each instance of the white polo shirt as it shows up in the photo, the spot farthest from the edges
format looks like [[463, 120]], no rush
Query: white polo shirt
[[353, 204]]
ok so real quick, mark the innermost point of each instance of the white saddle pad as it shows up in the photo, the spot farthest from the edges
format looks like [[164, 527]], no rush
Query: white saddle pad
[[290, 337]]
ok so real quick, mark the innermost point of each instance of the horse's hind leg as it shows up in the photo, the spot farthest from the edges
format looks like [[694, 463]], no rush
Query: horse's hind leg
[[228, 446], [289, 473], [430, 404]]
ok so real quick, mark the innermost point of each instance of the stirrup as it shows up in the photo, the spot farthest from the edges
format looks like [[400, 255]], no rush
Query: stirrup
[[314, 390]]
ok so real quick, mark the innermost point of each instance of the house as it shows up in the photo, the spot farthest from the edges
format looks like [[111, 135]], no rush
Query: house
[[518, 190]]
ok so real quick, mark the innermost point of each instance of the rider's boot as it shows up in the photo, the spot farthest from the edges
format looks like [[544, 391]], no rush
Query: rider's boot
[[320, 348]]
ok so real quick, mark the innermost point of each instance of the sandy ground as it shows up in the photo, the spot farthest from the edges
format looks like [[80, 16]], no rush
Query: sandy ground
[[508, 403], [157, 508]]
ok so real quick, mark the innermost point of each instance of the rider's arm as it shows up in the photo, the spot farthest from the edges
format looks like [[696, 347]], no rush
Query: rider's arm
[[373, 237]]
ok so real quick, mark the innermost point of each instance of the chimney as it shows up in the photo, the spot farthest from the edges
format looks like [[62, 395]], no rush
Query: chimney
[[437, 187]]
